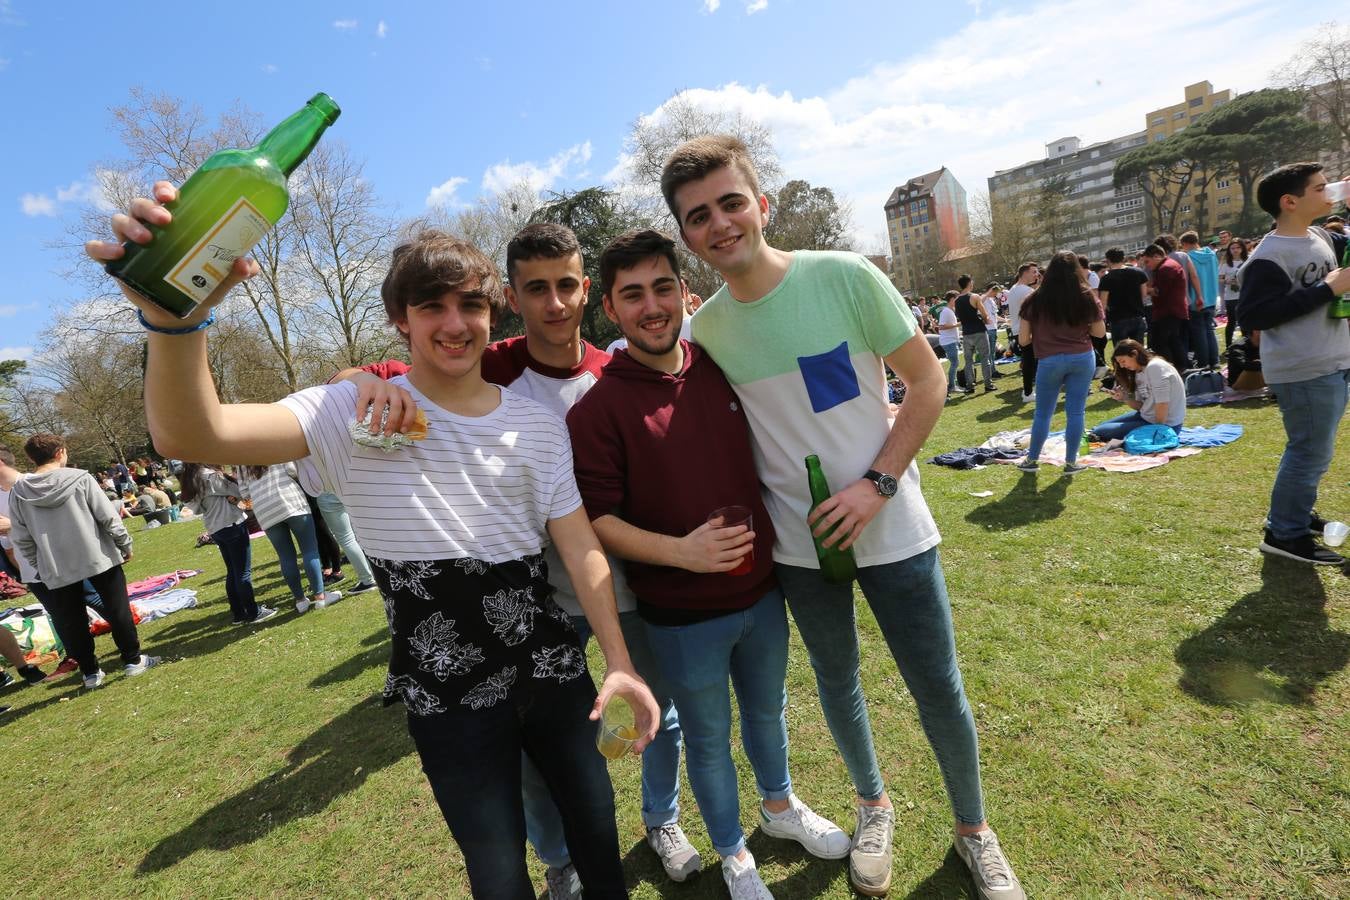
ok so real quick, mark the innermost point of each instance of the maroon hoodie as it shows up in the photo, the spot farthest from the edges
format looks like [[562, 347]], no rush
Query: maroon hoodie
[[662, 452]]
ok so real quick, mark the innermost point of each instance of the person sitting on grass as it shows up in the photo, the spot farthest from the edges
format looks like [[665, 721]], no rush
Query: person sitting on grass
[[454, 523], [1149, 385]]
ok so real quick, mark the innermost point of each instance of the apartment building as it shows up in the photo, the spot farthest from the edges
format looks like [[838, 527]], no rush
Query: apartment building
[[1220, 203], [925, 218]]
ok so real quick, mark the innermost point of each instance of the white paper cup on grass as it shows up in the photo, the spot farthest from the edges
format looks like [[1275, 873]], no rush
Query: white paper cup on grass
[[1333, 533]]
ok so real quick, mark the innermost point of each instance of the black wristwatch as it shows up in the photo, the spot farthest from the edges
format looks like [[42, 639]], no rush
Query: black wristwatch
[[886, 484]]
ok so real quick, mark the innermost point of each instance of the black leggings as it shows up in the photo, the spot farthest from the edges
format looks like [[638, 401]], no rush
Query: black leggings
[[66, 607], [1028, 366]]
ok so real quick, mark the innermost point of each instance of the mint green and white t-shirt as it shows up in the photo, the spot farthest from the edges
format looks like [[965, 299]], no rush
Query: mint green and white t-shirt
[[806, 362]]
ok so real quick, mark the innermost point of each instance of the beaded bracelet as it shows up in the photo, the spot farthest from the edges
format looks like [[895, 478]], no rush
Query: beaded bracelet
[[204, 323]]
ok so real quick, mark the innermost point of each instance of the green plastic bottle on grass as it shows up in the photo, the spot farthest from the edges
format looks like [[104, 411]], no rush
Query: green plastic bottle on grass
[[228, 204]]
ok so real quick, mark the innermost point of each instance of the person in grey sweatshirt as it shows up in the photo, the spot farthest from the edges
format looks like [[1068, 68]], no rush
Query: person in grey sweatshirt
[[65, 527]]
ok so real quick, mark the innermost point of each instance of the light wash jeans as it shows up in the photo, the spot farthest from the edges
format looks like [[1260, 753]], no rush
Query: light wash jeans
[[909, 600], [748, 648], [1072, 372], [1312, 412], [302, 527], [335, 514], [660, 761], [953, 352]]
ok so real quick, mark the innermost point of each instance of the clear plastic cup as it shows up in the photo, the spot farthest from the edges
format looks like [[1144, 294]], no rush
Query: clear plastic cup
[[729, 517], [1337, 191], [618, 729], [1333, 533]]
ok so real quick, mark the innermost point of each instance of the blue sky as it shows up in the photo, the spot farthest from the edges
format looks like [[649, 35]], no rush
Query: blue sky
[[444, 100]]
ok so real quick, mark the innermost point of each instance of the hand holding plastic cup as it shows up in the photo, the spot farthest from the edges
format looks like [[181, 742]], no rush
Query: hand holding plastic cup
[[617, 732], [1333, 533], [730, 517]]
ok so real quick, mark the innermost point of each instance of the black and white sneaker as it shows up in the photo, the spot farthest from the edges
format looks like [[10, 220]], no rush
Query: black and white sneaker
[[362, 588], [1302, 549], [1316, 523]]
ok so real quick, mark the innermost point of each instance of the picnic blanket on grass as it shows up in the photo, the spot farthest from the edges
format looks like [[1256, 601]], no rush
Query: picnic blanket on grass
[[1111, 457]]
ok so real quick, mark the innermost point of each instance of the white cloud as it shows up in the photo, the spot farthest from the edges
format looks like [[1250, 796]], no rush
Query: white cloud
[[987, 97], [345, 24], [37, 205], [443, 194], [381, 29], [269, 69], [977, 5], [8, 309], [711, 6], [16, 352], [755, 6], [564, 165]]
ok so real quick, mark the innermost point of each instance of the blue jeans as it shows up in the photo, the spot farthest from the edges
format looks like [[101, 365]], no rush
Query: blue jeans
[[993, 342], [340, 524], [280, 536], [1117, 428], [1072, 372], [953, 352], [1204, 343], [235, 549], [472, 759], [660, 761], [909, 600], [750, 649], [1312, 412]]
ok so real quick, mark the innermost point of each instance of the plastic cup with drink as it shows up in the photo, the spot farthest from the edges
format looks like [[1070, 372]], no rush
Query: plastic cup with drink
[[617, 732], [730, 517], [1334, 533]]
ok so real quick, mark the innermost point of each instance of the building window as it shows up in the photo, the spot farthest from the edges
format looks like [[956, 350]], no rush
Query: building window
[[1186, 208], [1222, 183], [925, 229], [1197, 101], [1160, 120], [1223, 201], [1179, 114], [1158, 137]]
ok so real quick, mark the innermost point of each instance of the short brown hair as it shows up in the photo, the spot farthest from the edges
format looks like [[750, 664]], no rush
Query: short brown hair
[[542, 240], [1190, 237], [43, 447], [6, 457], [698, 158], [431, 265], [631, 248]]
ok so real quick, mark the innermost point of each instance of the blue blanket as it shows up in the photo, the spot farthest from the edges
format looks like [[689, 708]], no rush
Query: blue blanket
[[1198, 436]]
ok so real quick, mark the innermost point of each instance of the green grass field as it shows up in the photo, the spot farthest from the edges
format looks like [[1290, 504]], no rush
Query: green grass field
[[1163, 713]]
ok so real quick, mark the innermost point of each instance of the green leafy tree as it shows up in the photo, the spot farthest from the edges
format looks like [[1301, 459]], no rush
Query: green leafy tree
[[803, 217]]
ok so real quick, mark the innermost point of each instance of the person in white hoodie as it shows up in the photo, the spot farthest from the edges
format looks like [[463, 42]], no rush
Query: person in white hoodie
[[65, 527]]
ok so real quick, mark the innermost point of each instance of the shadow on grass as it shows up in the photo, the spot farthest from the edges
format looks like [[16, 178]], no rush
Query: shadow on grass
[[333, 761], [377, 655], [1024, 504], [1275, 644], [950, 879], [1012, 407]]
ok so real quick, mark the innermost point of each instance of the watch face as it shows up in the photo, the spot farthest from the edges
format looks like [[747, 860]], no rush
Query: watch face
[[887, 485]]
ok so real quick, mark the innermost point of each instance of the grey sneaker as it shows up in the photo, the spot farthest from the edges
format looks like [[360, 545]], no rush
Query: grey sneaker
[[139, 667], [994, 878], [678, 856], [1074, 468], [869, 860], [563, 884], [742, 879], [264, 613], [818, 835], [95, 680], [1029, 465], [327, 599]]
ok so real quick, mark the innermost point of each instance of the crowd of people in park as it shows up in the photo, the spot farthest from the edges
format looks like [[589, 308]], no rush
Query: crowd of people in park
[[513, 499]]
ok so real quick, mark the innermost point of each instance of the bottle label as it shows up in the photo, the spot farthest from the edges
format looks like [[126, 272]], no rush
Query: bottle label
[[209, 261]]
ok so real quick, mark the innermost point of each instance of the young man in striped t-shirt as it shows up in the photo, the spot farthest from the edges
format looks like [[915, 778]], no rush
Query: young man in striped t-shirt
[[455, 524]]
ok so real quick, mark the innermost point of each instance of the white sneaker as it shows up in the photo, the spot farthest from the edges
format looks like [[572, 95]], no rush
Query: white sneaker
[[742, 879], [139, 667], [95, 680], [327, 599], [818, 835], [302, 605], [264, 613], [1029, 398], [678, 856], [994, 878]]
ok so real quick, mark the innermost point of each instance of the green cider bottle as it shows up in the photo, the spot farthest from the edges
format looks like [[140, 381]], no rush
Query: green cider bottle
[[1339, 308], [836, 566], [226, 207]]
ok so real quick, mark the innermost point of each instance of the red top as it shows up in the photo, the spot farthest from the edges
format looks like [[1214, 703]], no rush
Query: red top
[[1170, 301], [662, 452]]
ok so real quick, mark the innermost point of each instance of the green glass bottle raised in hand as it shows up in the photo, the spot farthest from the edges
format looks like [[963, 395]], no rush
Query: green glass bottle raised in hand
[[836, 566], [228, 204], [1339, 308]]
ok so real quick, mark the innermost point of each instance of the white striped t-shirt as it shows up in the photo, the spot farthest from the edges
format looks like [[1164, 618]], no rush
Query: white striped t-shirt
[[276, 496], [483, 487]]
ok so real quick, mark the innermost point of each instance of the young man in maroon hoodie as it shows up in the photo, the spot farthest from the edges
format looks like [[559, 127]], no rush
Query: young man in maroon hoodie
[[712, 615]]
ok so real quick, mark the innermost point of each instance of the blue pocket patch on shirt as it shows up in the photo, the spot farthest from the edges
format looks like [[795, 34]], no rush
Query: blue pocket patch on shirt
[[830, 379]]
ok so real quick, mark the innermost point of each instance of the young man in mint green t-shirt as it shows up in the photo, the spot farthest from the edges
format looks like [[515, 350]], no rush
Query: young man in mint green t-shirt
[[804, 339]]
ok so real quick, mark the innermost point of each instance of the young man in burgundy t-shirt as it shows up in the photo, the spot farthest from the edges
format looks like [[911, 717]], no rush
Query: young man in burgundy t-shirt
[[1170, 314]]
